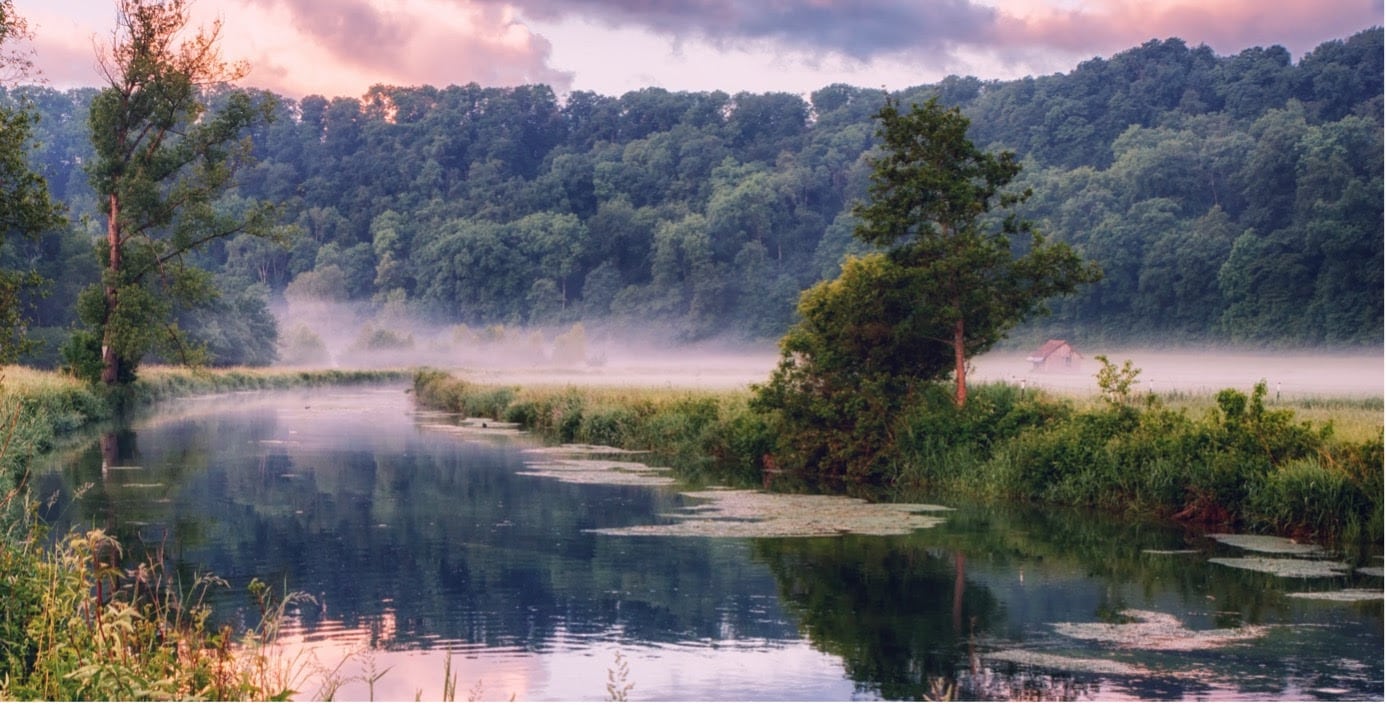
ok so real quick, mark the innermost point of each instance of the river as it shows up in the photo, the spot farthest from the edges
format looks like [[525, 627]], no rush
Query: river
[[427, 548]]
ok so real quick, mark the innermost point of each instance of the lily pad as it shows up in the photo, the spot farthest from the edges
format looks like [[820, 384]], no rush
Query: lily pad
[[1266, 544], [1286, 567], [751, 513], [1156, 631], [1068, 663], [1349, 595]]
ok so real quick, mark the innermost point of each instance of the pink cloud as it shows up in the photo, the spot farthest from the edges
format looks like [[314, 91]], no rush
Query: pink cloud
[[345, 47]]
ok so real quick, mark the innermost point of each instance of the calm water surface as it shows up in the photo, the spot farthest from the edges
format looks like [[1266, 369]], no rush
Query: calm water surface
[[419, 545]]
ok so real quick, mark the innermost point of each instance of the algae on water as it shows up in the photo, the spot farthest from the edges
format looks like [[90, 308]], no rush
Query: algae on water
[[751, 514], [1266, 544], [1286, 567], [1348, 595], [586, 471], [1156, 631], [1068, 663]]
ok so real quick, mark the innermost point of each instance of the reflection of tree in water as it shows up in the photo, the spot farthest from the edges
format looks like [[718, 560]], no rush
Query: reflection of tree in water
[[903, 616]]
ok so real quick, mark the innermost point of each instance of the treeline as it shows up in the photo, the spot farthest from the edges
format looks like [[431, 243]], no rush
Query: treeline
[[1228, 199]]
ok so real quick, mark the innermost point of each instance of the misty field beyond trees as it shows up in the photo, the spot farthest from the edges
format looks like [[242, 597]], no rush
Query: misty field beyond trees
[[1227, 199]]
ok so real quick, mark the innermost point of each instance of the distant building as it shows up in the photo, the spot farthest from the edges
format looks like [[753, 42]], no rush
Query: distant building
[[1054, 355]]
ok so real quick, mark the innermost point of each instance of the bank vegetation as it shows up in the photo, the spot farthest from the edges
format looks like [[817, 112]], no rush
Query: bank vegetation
[[1229, 462]]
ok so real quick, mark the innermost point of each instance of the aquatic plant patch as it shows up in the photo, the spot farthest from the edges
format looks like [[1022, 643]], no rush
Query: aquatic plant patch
[[1156, 631], [1286, 567], [1068, 663], [591, 471], [753, 514], [474, 429], [585, 449], [1349, 595], [1267, 544]]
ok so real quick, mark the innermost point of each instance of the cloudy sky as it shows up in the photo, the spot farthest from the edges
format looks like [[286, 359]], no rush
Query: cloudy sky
[[342, 47]]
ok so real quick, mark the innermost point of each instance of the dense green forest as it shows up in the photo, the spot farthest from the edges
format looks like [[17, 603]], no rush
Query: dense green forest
[[1231, 199]]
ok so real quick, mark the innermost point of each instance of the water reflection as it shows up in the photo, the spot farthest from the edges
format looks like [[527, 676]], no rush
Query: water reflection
[[416, 544]]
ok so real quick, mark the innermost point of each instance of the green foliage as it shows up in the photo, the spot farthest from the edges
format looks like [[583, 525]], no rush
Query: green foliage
[[26, 208], [1228, 468], [162, 158], [1233, 198], [949, 288], [1302, 495], [939, 203], [1115, 384], [79, 628], [301, 346], [376, 339]]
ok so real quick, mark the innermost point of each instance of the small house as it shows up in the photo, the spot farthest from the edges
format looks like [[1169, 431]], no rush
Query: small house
[[1054, 355]]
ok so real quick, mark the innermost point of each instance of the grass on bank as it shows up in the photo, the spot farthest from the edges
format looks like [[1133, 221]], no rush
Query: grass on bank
[[1233, 461]]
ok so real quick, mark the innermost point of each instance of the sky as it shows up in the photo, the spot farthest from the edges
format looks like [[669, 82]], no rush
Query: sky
[[343, 47]]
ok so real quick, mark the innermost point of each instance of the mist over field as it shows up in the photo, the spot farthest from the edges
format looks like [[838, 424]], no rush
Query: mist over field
[[594, 353]]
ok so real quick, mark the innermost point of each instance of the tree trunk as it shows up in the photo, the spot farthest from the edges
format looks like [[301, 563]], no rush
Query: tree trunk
[[110, 362], [960, 367]]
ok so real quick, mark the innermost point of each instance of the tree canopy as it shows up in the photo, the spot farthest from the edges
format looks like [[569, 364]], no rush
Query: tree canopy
[[161, 159], [1228, 199]]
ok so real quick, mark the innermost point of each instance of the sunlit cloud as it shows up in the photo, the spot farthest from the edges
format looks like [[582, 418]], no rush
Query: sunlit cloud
[[343, 47]]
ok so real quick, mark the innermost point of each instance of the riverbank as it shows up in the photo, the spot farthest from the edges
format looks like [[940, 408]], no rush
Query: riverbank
[[78, 627], [1231, 460], [38, 409]]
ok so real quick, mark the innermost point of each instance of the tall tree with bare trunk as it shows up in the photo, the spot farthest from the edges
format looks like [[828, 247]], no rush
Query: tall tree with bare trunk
[[163, 157]]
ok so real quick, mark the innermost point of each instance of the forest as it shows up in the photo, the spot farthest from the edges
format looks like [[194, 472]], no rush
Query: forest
[[1227, 199]]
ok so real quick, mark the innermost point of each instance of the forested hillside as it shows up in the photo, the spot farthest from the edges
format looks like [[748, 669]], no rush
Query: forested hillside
[[1231, 199]]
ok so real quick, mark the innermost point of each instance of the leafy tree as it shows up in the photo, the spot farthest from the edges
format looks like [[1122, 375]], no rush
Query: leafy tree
[[852, 363], [932, 192], [25, 206], [162, 157]]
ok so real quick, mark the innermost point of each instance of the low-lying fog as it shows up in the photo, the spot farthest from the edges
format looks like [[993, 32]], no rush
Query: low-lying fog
[[323, 336]]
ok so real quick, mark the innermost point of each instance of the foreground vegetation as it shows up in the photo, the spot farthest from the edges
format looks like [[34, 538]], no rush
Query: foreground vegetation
[[1231, 462]]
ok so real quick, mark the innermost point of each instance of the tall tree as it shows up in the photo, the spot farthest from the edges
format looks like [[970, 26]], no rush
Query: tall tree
[[25, 206], [932, 199], [162, 158]]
